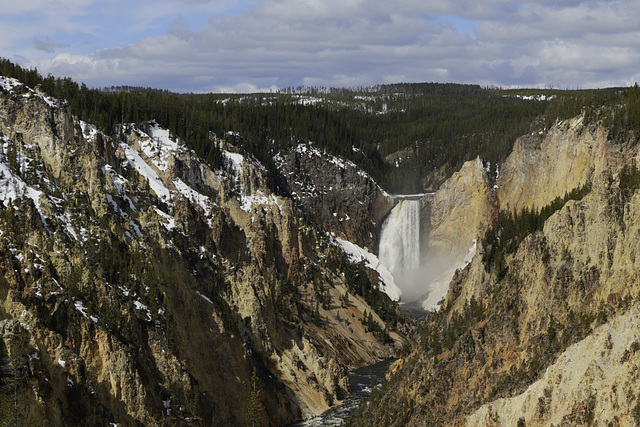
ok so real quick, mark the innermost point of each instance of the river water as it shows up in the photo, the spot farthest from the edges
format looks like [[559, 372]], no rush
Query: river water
[[361, 380], [414, 310]]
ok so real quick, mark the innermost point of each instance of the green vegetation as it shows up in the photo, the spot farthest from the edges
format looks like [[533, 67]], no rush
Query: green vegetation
[[12, 387], [427, 129], [629, 179], [254, 406], [359, 284], [437, 339], [509, 229], [623, 118]]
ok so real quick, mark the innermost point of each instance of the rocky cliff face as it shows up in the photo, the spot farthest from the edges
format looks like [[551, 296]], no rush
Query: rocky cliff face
[[459, 211], [592, 382], [337, 193], [550, 164], [551, 337], [139, 286]]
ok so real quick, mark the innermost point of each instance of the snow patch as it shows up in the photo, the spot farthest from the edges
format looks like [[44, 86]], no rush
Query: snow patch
[[66, 221], [9, 83], [89, 131], [140, 306], [81, 308], [235, 160], [259, 198], [204, 297], [12, 187], [157, 145], [135, 161], [194, 197], [136, 228], [309, 100], [540, 97], [170, 223], [118, 180], [357, 254]]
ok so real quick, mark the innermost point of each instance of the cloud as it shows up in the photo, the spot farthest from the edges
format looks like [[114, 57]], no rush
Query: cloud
[[216, 45], [48, 45], [44, 6]]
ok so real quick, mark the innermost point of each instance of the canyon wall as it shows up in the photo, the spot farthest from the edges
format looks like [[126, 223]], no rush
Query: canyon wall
[[140, 286], [548, 336]]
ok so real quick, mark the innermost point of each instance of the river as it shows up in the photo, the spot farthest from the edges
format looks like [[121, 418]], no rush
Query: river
[[361, 380]]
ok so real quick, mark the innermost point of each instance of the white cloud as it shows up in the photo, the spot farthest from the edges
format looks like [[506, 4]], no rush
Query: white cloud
[[214, 45]]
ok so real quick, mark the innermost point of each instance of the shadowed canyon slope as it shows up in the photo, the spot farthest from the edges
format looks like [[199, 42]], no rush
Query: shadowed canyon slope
[[140, 286]]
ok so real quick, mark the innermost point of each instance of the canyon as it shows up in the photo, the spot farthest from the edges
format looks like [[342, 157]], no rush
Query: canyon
[[140, 285]]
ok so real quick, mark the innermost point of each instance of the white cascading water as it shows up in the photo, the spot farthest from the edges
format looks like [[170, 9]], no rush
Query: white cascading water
[[399, 248]]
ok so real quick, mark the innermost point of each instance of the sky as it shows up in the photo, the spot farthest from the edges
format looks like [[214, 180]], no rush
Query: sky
[[259, 45]]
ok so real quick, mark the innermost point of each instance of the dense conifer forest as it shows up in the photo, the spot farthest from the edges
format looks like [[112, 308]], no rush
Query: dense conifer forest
[[409, 137]]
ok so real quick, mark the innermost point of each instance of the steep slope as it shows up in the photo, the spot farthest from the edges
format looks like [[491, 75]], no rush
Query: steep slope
[[459, 211], [139, 286], [341, 197], [550, 335], [451, 220], [592, 382], [545, 165]]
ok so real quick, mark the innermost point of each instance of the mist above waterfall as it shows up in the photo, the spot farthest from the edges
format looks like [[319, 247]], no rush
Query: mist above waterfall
[[399, 252]]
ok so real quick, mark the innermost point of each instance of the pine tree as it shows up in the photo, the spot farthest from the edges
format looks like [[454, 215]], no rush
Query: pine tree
[[254, 407], [11, 387]]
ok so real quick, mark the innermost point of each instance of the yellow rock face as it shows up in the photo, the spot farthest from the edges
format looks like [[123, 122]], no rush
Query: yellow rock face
[[459, 210], [543, 167]]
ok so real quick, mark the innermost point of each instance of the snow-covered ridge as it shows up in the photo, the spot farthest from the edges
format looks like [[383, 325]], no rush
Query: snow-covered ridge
[[22, 179], [310, 150], [248, 201], [341, 163], [10, 84], [195, 197], [12, 187], [150, 154], [158, 144], [147, 172]]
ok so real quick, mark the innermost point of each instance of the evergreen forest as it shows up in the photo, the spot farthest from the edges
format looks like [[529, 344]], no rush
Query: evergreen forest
[[408, 137]]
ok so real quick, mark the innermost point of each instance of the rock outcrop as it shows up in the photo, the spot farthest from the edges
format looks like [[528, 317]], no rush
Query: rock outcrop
[[593, 382], [459, 211], [550, 164], [340, 196]]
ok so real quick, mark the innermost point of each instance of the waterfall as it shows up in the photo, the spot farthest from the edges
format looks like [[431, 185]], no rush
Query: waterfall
[[399, 248]]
